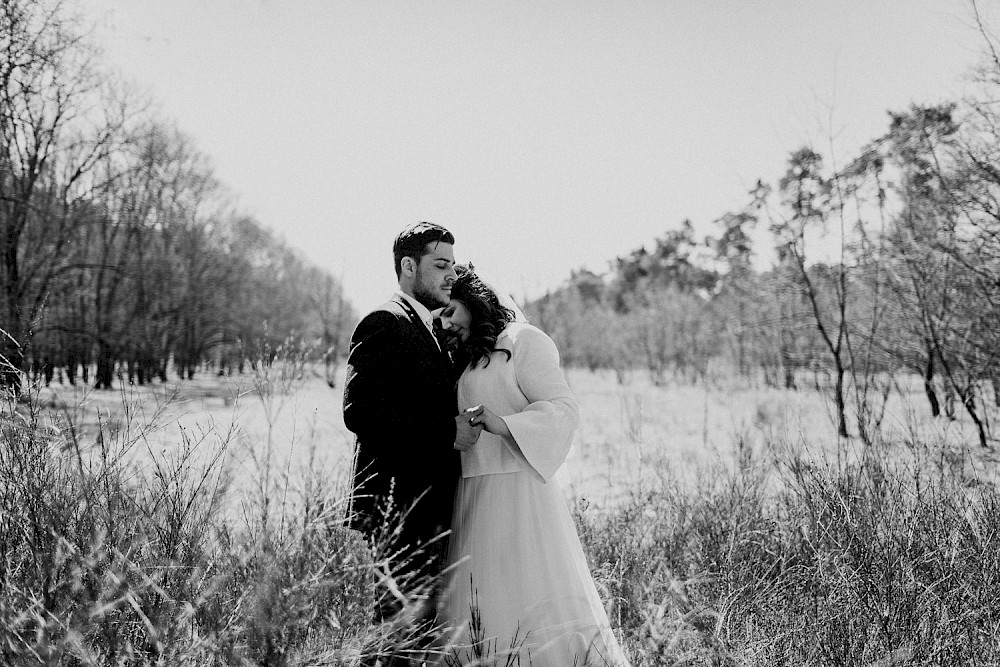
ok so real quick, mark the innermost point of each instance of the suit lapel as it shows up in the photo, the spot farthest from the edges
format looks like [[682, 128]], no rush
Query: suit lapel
[[419, 323]]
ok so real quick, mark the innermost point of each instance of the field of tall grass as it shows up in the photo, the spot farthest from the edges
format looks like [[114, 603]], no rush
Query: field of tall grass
[[199, 524]]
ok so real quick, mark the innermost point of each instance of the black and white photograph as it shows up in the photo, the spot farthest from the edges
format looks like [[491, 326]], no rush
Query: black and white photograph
[[469, 333]]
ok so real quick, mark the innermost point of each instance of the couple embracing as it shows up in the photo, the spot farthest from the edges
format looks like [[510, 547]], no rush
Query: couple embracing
[[467, 439]]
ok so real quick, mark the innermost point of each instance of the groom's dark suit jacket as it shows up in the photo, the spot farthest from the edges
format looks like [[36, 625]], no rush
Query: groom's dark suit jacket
[[399, 400]]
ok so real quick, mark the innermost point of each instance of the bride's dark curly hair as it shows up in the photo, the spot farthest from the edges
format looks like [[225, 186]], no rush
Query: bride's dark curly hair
[[489, 316]]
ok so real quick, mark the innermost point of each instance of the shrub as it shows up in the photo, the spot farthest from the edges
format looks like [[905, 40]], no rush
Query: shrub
[[110, 555], [887, 559]]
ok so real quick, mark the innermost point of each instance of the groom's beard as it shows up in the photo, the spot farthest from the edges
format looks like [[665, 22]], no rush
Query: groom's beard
[[429, 298]]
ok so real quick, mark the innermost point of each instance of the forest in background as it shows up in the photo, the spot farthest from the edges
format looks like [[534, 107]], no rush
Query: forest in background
[[886, 268], [120, 252]]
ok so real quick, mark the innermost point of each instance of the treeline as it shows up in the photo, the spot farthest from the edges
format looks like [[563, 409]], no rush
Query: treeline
[[120, 252], [885, 267]]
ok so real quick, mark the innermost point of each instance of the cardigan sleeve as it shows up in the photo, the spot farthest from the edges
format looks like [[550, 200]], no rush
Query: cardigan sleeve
[[544, 429]]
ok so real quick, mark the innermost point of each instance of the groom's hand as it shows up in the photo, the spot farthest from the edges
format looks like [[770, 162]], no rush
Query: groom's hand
[[466, 432]]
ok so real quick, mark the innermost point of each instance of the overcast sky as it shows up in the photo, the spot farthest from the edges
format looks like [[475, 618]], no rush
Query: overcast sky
[[548, 136]]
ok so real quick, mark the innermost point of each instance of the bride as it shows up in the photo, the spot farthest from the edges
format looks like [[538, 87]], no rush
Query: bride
[[519, 587]]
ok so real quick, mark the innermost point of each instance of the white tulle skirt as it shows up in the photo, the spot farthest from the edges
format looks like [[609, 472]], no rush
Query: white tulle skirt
[[520, 582]]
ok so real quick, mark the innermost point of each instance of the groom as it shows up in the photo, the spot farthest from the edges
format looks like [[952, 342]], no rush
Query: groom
[[399, 400]]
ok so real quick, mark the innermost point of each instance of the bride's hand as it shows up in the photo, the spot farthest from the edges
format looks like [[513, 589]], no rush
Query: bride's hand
[[492, 423]]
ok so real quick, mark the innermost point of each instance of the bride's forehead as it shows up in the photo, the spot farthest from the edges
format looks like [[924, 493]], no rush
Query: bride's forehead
[[453, 306]]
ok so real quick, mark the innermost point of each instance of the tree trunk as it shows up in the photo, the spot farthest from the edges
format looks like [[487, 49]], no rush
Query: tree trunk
[[969, 401], [841, 403], [105, 367], [11, 333], [786, 365], [929, 387], [790, 378], [949, 402], [71, 363]]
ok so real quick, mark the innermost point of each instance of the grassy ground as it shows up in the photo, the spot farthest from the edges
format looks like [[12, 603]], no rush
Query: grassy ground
[[197, 524]]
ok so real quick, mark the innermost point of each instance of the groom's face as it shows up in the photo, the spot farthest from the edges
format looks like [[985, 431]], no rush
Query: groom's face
[[434, 275]]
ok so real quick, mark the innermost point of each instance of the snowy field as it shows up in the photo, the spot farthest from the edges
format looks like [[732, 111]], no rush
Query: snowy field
[[289, 429]]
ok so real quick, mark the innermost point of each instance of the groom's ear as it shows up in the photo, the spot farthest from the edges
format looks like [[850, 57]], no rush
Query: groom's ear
[[408, 265]]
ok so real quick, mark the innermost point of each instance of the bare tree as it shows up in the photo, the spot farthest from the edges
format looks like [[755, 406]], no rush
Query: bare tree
[[57, 120], [327, 298], [813, 202]]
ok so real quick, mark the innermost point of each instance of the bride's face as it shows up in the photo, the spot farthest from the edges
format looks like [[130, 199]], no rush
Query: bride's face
[[456, 318]]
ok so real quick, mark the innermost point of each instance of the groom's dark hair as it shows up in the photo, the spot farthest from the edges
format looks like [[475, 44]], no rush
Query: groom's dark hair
[[412, 241]]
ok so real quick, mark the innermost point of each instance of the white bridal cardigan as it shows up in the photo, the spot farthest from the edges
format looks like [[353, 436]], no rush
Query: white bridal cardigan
[[531, 395]]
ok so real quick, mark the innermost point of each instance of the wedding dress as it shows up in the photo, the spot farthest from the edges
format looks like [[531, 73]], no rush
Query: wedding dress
[[519, 583]]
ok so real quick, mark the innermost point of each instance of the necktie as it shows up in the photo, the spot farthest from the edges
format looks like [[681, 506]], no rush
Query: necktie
[[446, 340]]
